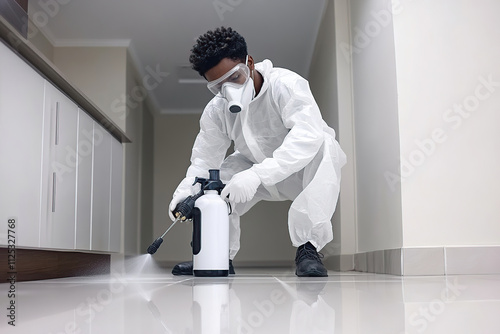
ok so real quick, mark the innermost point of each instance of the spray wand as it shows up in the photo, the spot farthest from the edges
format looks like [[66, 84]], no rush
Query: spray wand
[[182, 212]]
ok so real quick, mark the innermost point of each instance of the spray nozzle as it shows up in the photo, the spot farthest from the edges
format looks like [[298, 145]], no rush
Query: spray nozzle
[[155, 245]]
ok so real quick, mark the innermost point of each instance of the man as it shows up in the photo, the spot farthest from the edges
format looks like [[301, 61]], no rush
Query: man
[[283, 148]]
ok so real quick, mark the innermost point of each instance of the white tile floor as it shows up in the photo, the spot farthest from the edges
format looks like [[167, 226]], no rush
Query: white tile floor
[[151, 300]]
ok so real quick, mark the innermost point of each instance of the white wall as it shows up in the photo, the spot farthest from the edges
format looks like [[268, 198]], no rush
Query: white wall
[[426, 90], [323, 70], [445, 52], [375, 101], [174, 138], [328, 75], [38, 39]]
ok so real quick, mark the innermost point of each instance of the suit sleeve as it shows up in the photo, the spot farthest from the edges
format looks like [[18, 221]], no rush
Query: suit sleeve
[[301, 115], [210, 145]]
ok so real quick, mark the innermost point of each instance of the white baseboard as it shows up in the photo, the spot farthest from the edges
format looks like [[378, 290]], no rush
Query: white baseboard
[[422, 261]]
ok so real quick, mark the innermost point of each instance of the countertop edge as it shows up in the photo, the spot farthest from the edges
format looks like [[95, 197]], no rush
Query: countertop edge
[[46, 68]]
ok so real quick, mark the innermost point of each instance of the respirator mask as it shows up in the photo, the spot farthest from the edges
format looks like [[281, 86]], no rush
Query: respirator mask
[[236, 86]]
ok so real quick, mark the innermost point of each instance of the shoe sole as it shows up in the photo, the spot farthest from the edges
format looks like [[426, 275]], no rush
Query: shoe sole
[[313, 273]]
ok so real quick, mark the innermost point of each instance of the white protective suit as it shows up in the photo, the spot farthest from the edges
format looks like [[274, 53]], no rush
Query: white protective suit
[[284, 139]]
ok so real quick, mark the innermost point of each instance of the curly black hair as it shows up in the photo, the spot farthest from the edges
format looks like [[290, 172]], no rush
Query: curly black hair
[[213, 46]]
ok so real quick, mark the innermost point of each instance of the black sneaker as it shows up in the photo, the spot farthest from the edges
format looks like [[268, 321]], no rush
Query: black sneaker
[[308, 262], [186, 268]]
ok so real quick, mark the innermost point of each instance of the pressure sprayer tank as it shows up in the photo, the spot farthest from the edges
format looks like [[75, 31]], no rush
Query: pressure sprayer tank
[[211, 230]]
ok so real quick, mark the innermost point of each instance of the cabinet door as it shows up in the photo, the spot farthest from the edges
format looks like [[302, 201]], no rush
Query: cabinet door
[[101, 183], [84, 181], [60, 170], [115, 222], [21, 124]]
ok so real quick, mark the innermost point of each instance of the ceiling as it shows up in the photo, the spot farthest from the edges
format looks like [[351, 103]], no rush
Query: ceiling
[[161, 33]]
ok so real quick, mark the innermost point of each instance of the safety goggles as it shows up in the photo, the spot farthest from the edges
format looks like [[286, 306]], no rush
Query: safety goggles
[[237, 77]]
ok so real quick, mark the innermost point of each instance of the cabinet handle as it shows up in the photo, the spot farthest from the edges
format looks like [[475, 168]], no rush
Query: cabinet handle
[[54, 178], [57, 123]]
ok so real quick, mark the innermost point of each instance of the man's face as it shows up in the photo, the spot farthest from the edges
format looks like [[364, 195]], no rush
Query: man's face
[[236, 77], [225, 65]]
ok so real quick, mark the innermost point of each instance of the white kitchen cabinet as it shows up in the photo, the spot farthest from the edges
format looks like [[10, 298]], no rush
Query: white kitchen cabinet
[[115, 221], [84, 181], [101, 189], [59, 170], [21, 124]]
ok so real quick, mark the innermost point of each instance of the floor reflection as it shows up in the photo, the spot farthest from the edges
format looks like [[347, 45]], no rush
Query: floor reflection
[[256, 301]]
